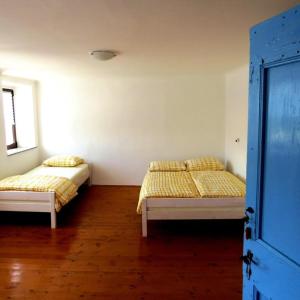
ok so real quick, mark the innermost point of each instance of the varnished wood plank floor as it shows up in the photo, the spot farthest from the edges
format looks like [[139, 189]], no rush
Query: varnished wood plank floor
[[97, 252]]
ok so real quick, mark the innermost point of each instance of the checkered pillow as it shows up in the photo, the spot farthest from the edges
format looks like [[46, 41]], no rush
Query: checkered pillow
[[63, 161], [207, 163], [167, 166]]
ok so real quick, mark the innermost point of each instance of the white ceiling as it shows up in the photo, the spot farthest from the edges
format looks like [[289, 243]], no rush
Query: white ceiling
[[152, 36]]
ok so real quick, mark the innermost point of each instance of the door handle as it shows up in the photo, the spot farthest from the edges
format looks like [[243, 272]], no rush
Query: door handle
[[248, 210], [248, 259]]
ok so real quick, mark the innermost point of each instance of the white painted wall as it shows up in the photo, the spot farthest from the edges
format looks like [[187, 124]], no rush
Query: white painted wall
[[236, 116], [121, 124], [20, 162]]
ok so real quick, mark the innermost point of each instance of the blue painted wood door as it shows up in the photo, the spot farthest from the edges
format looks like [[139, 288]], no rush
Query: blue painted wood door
[[271, 268]]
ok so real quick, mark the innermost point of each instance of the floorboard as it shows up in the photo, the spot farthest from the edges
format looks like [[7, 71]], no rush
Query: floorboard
[[97, 252]]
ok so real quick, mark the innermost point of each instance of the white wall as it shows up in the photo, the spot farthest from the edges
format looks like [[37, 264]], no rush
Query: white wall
[[121, 124], [236, 116], [17, 163]]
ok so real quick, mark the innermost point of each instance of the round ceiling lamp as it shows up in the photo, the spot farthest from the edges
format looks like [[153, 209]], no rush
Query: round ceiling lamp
[[103, 54]]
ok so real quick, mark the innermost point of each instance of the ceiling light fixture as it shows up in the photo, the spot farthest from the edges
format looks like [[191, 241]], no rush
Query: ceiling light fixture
[[103, 54]]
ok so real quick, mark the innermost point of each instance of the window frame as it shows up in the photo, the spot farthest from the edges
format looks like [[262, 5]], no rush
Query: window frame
[[13, 145]]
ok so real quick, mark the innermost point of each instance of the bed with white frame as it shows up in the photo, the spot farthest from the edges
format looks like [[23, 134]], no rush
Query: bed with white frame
[[26, 201], [191, 209]]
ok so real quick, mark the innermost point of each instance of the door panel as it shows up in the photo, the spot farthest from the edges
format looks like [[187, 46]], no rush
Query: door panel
[[281, 160], [271, 269]]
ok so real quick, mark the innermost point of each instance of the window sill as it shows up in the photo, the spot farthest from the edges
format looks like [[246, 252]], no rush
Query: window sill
[[18, 150]]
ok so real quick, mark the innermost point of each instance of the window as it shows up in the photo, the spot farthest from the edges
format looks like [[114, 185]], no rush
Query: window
[[9, 118], [19, 114]]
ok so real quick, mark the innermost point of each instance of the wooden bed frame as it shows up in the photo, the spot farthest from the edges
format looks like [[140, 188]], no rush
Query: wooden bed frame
[[25, 201], [190, 209], [30, 202]]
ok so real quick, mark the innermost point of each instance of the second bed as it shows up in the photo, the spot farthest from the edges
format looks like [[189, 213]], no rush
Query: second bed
[[183, 195]]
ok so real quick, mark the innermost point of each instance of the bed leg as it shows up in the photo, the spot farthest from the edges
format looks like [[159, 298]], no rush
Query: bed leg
[[91, 175], [53, 219], [89, 182], [144, 218], [52, 210]]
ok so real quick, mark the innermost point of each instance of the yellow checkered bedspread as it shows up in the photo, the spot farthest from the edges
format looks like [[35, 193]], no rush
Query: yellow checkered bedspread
[[167, 185], [218, 184], [194, 184], [64, 188]]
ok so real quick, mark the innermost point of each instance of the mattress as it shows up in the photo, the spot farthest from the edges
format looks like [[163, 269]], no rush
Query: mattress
[[78, 175]]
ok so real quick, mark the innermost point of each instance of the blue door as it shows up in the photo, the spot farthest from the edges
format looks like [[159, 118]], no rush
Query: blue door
[[271, 268]]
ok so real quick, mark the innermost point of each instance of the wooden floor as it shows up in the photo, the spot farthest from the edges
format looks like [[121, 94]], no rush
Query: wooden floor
[[97, 252]]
